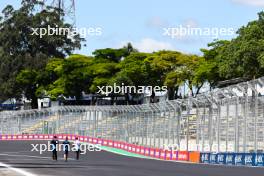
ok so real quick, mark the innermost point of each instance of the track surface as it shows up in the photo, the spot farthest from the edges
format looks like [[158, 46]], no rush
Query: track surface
[[18, 155]]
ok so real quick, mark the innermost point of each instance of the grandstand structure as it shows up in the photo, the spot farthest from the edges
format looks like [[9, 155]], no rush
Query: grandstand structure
[[229, 119]]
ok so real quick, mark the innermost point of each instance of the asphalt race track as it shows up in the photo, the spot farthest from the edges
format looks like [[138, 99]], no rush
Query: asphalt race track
[[16, 157]]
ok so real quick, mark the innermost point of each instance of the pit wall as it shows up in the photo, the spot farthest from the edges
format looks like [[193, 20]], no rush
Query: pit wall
[[238, 159]]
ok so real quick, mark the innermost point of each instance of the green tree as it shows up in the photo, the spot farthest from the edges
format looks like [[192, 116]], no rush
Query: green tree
[[28, 80], [75, 76], [244, 55], [132, 72], [173, 69], [208, 69], [24, 51], [114, 54]]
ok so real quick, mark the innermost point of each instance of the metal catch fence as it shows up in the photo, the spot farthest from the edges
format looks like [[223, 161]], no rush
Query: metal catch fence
[[229, 119]]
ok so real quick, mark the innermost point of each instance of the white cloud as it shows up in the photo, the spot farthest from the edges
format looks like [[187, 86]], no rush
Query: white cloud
[[258, 3], [156, 22], [190, 22], [149, 45]]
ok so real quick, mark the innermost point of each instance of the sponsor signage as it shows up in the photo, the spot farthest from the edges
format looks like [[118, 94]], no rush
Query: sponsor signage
[[213, 158], [259, 158], [249, 159], [205, 157], [221, 157], [239, 159], [229, 160]]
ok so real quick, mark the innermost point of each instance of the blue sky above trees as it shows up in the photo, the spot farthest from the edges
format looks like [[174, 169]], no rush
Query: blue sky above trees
[[142, 22]]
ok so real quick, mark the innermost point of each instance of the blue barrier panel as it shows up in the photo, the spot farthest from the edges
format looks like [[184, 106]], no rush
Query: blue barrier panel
[[259, 158], [229, 159], [221, 157], [249, 159], [205, 158], [213, 158], [239, 159]]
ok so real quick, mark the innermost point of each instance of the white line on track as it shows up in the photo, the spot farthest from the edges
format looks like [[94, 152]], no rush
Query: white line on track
[[39, 157], [16, 152], [20, 171]]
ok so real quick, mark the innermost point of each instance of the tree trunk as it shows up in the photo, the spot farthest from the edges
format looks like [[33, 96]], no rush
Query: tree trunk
[[171, 93], [34, 101], [127, 99], [152, 97], [191, 89], [176, 92], [198, 89]]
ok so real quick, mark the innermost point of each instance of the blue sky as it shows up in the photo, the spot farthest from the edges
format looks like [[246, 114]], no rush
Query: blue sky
[[142, 22]]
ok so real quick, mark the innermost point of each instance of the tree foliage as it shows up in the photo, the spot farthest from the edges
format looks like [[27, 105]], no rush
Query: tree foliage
[[20, 50], [244, 55]]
